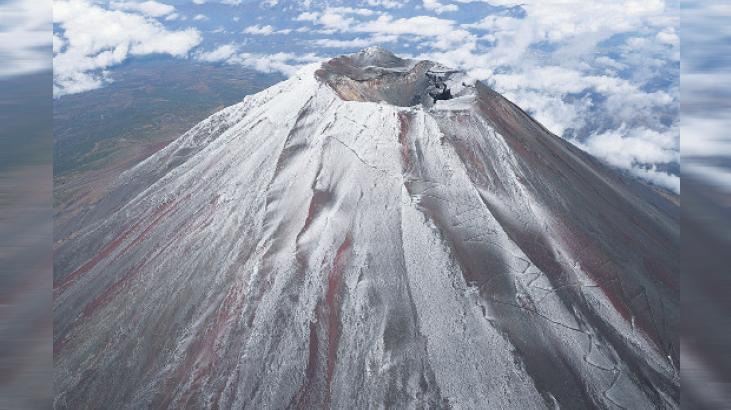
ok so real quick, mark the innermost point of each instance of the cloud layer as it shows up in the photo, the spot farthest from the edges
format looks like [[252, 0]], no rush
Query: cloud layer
[[149, 8], [285, 63], [91, 39]]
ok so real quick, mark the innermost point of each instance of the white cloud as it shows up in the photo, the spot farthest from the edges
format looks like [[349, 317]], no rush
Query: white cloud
[[421, 25], [356, 43], [149, 8], [659, 178], [77, 82], [336, 18], [264, 30], [200, 17], [285, 63], [557, 79], [444, 33], [24, 39], [438, 7], [220, 54], [496, 23], [637, 150], [610, 62], [350, 10], [96, 39], [333, 43], [308, 16], [576, 26], [542, 91], [199, 2], [625, 147], [259, 30], [386, 4], [668, 36], [557, 20], [438, 33]]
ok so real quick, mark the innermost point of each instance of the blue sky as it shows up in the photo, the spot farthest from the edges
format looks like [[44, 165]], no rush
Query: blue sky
[[603, 74]]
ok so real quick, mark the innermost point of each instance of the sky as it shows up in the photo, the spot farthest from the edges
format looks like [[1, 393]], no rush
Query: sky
[[603, 74]]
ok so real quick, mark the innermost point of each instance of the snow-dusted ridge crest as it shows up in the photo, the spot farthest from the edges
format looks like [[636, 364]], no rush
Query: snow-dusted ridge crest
[[372, 232]]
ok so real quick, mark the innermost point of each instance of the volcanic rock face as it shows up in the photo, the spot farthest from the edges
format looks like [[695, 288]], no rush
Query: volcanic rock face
[[375, 75], [373, 232]]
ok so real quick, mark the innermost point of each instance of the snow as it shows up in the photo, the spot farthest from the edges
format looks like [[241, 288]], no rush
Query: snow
[[302, 249]]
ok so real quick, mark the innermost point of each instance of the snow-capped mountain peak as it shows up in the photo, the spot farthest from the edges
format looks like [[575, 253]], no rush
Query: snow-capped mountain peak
[[373, 232]]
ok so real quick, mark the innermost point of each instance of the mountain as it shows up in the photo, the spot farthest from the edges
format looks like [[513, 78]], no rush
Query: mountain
[[372, 232]]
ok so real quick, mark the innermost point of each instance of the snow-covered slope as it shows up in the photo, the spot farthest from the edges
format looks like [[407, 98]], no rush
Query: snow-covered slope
[[373, 232]]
